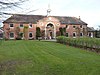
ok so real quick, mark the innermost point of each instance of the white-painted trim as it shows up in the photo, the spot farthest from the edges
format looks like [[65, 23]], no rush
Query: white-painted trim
[[68, 34], [68, 27], [10, 26], [75, 35], [10, 36], [54, 29], [29, 36], [20, 26], [82, 34]]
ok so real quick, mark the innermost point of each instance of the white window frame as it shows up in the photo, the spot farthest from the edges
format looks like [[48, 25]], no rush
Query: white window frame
[[13, 35], [1, 35], [68, 35], [23, 35], [75, 35], [81, 27], [20, 25], [82, 34], [91, 34], [73, 26], [29, 35], [10, 25]]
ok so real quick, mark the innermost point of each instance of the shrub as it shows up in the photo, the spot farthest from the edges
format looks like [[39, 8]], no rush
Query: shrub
[[91, 43]]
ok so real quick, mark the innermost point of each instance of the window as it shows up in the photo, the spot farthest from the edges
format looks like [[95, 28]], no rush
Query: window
[[67, 26], [66, 34], [74, 26], [21, 25], [11, 35], [81, 26], [30, 35], [81, 34], [1, 35], [89, 34], [21, 34], [30, 25], [74, 34], [11, 25]]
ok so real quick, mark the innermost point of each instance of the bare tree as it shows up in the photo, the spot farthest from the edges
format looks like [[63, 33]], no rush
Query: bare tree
[[5, 4], [10, 4]]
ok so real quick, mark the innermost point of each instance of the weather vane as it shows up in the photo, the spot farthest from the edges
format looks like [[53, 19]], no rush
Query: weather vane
[[48, 10]]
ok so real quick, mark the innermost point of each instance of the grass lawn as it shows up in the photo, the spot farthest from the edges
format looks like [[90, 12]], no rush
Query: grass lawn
[[46, 58]]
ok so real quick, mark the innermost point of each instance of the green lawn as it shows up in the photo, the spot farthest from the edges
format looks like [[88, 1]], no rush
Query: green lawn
[[46, 58]]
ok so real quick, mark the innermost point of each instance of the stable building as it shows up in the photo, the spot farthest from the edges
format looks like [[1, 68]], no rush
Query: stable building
[[50, 26]]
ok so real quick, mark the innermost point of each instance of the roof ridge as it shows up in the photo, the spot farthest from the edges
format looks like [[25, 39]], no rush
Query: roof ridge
[[27, 15], [41, 15], [63, 16]]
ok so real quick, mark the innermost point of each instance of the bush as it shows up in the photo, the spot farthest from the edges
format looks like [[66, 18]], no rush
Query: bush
[[91, 43]]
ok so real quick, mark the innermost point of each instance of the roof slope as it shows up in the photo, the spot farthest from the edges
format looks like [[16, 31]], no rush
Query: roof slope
[[70, 20], [18, 18], [90, 29], [23, 19]]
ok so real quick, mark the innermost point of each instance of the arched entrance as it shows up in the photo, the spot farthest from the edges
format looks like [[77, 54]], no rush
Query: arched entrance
[[50, 31]]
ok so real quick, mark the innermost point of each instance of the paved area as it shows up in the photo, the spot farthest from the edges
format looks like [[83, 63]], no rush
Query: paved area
[[50, 40]]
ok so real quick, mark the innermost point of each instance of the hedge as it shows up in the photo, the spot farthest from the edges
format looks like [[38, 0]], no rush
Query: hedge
[[84, 42]]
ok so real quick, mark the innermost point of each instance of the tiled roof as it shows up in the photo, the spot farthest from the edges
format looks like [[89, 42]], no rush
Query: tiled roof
[[70, 20], [90, 29], [23, 19], [18, 18]]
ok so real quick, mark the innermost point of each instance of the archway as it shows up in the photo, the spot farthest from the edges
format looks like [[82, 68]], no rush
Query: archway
[[49, 31]]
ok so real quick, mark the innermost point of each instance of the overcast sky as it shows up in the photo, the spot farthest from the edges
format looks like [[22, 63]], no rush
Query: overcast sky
[[88, 10]]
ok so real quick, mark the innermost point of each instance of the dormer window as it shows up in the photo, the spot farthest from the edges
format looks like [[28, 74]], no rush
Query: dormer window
[[11, 25]]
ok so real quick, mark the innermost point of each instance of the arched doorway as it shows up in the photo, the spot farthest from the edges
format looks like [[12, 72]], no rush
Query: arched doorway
[[49, 31]]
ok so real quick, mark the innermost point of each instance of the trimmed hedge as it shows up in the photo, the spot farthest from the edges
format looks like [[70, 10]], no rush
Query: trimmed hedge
[[87, 43]]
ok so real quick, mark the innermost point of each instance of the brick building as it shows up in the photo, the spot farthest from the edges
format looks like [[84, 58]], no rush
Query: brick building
[[49, 26]]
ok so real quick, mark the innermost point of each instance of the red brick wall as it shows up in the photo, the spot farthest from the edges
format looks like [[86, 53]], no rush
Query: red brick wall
[[12, 29], [42, 24]]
